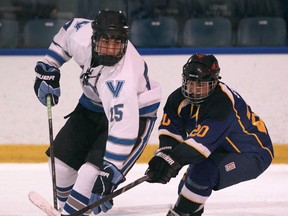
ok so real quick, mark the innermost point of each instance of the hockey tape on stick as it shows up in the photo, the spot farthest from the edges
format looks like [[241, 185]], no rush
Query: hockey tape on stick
[[110, 196], [42, 204], [52, 158]]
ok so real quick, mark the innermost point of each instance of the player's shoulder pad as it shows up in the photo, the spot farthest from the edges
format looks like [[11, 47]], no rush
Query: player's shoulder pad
[[174, 100], [76, 23], [218, 106]]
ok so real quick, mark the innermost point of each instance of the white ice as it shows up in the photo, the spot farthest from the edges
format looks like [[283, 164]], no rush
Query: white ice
[[266, 196]]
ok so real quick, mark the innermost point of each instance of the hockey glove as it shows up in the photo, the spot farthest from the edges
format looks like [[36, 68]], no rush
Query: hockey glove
[[107, 181], [47, 82], [162, 167]]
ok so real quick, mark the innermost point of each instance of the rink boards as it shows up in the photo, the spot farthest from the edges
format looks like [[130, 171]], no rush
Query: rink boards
[[24, 153]]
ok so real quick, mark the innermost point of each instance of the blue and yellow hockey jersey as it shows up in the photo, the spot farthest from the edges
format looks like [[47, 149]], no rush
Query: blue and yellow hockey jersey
[[223, 121]]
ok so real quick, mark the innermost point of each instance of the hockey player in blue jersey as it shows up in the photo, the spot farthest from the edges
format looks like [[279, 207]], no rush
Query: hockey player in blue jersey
[[209, 127], [110, 127]]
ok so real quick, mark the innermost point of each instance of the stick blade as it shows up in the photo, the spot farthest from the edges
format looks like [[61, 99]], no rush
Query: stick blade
[[42, 204]]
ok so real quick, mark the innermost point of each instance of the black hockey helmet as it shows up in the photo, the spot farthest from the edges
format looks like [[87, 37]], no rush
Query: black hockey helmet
[[109, 24], [201, 71]]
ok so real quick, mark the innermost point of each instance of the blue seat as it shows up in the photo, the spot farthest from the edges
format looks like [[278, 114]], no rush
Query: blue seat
[[139, 9], [261, 31], [67, 9], [90, 8], [154, 32], [39, 33], [207, 32], [9, 33]]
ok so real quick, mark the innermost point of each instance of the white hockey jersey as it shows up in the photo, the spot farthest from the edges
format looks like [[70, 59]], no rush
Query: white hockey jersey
[[123, 91]]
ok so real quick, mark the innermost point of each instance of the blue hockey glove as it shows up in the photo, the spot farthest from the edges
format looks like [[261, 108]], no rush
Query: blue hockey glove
[[47, 82], [162, 167], [107, 181]]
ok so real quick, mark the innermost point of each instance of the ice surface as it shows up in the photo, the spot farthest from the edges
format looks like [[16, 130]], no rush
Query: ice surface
[[266, 196]]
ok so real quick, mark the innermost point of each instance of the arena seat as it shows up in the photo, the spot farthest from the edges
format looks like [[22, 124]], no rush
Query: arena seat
[[90, 8], [207, 32], [39, 33], [261, 31], [154, 32], [9, 33]]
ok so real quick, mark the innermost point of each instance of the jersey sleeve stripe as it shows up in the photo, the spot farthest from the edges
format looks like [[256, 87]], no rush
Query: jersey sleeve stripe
[[149, 109], [116, 157], [198, 146], [55, 56], [121, 141], [168, 133]]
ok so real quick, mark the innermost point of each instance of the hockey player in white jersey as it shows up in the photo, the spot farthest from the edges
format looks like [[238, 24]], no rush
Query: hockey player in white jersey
[[110, 127]]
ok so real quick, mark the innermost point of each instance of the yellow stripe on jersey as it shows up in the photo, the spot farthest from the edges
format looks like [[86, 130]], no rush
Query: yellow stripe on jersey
[[182, 104], [229, 94], [233, 145]]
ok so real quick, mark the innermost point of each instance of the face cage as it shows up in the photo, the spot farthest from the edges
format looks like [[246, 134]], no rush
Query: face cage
[[196, 92], [108, 60]]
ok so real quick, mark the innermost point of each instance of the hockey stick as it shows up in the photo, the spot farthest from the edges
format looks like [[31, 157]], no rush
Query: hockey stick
[[53, 172], [45, 206], [110, 196]]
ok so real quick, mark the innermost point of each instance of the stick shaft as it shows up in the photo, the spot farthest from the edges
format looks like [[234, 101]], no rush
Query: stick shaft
[[52, 158], [110, 196]]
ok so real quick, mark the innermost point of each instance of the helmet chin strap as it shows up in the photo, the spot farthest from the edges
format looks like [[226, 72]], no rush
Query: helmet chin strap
[[106, 60]]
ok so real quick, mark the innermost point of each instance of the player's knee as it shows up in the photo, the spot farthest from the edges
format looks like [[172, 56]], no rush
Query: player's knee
[[67, 172]]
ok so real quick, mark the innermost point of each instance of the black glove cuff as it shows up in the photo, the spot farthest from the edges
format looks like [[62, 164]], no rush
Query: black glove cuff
[[169, 160]]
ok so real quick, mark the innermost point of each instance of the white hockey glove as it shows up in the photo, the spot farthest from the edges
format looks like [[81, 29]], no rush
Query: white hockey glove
[[107, 181]]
